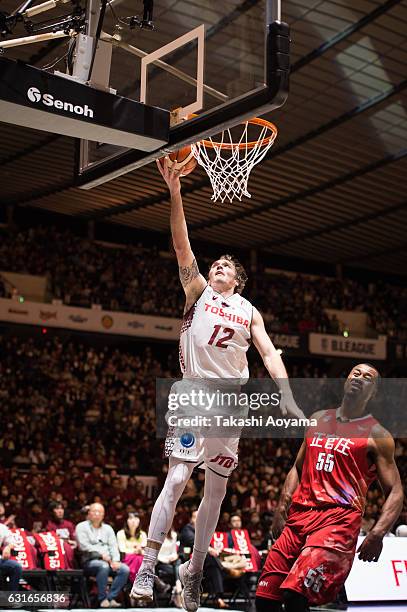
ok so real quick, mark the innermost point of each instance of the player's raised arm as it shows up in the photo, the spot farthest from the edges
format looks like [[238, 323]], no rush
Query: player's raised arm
[[274, 365], [192, 281], [389, 478]]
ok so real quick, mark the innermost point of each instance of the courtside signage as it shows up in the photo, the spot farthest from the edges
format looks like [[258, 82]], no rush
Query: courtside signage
[[385, 580]]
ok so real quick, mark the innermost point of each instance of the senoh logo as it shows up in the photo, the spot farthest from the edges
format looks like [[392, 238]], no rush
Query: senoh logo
[[34, 95]]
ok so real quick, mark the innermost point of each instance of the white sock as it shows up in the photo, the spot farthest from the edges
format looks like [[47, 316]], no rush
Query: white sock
[[149, 559], [197, 561]]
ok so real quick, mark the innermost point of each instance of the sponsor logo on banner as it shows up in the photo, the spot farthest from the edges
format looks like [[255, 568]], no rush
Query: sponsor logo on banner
[[288, 341], [107, 322], [21, 549], [326, 344], [18, 311], [34, 95], [77, 319], [164, 327], [46, 315], [135, 324]]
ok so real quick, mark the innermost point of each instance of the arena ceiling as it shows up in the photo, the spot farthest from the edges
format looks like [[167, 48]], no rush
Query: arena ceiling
[[332, 189]]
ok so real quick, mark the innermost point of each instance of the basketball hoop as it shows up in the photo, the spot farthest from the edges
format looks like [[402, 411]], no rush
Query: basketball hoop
[[228, 161]]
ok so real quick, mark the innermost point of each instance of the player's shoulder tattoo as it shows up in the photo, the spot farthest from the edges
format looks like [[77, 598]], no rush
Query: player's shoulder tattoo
[[188, 273]]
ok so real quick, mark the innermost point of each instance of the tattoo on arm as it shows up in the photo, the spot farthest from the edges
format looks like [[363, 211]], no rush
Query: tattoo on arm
[[188, 273]]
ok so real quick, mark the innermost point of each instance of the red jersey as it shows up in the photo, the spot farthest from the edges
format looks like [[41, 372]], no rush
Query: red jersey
[[336, 470]]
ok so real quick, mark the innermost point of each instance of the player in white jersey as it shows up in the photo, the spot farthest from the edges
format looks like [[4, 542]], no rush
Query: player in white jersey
[[218, 327]]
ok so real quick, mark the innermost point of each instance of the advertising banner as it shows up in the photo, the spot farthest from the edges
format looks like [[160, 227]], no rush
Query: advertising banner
[[339, 346], [384, 580], [89, 319]]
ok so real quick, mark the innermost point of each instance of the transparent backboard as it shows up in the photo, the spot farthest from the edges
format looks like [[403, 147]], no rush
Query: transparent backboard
[[208, 57]]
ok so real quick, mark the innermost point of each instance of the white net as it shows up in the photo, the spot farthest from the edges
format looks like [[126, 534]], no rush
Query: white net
[[228, 163]]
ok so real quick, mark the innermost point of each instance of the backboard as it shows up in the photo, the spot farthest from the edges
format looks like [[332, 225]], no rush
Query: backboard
[[224, 61]]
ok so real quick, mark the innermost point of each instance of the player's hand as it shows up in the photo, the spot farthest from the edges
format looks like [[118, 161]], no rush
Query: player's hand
[[213, 552], [371, 547], [288, 406], [170, 175], [277, 525]]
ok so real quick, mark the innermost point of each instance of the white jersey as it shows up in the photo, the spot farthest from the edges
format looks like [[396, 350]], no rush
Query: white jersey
[[215, 336]]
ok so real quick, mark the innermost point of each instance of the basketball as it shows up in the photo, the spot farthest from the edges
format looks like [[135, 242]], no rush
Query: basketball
[[182, 159]]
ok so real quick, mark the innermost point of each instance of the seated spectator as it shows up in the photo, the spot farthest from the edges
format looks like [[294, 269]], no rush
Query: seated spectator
[[64, 529], [6, 520], [168, 564], [36, 518], [132, 541], [8, 567], [236, 523], [100, 555]]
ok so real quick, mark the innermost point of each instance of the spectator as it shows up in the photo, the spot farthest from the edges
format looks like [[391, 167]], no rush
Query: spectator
[[236, 523], [101, 556], [8, 567], [8, 521], [64, 529], [131, 541]]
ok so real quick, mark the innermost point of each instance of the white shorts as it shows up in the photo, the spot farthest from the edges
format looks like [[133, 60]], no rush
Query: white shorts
[[216, 454]]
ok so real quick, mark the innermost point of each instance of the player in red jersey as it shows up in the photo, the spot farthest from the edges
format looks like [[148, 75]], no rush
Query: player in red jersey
[[318, 517]]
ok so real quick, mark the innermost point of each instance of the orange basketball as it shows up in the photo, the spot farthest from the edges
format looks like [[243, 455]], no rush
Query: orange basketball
[[183, 159]]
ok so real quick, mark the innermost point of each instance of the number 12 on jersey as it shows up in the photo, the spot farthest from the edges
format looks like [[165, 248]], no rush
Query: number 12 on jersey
[[228, 334]]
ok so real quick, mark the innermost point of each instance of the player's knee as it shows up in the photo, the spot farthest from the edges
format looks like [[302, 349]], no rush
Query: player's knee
[[295, 602], [268, 605]]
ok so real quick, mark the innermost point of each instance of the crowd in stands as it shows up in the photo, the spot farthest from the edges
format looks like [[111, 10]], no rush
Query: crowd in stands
[[68, 409], [79, 419], [81, 272]]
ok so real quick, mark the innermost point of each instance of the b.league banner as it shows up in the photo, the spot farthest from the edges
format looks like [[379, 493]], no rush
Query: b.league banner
[[339, 346]]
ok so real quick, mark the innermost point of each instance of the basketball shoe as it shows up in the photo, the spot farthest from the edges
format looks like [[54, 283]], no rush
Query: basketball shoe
[[191, 593]]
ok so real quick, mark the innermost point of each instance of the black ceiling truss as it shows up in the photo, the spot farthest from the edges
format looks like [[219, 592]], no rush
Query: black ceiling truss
[[306, 193], [334, 227], [40, 193], [378, 253], [33, 148], [344, 34]]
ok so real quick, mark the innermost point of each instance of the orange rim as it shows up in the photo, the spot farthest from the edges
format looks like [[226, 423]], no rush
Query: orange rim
[[248, 145]]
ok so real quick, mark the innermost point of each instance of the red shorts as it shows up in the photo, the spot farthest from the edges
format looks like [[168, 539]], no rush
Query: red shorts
[[313, 555]]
